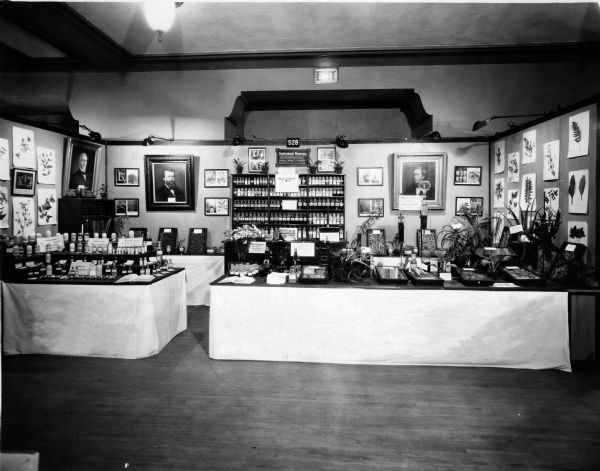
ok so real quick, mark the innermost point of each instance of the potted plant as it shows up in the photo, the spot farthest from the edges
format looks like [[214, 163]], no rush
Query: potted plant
[[181, 247], [239, 165], [265, 168], [312, 166], [339, 166]]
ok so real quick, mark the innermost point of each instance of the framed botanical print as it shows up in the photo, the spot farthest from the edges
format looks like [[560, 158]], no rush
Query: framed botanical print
[[127, 207], [420, 174], [325, 159], [216, 178], [257, 157], [368, 207], [216, 206], [127, 176], [23, 182], [469, 205], [464, 175], [369, 176], [169, 182]]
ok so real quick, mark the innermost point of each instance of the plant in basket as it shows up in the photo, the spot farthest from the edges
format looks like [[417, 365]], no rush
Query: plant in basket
[[241, 236]]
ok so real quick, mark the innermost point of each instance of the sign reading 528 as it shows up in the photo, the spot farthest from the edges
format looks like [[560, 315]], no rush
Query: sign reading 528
[[293, 142]]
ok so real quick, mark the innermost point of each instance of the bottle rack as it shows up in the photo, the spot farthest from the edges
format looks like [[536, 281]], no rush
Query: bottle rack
[[320, 203]]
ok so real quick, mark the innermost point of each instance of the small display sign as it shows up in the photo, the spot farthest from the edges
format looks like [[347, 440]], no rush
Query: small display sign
[[292, 158], [292, 142]]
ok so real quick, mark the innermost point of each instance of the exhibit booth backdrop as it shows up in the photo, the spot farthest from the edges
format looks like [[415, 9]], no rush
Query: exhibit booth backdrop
[[557, 154], [355, 156], [47, 180]]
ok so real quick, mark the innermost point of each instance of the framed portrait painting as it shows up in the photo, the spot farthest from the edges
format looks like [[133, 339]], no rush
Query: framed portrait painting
[[216, 178], [127, 176], [369, 176], [420, 174], [369, 207], [82, 161], [169, 182], [216, 206], [23, 182]]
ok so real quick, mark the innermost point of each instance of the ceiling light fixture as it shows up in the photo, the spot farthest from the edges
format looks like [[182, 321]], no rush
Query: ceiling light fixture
[[94, 136], [477, 125], [160, 15], [152, 139]]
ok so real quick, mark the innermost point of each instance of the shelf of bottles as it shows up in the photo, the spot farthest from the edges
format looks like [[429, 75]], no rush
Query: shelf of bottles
[[319, 203]]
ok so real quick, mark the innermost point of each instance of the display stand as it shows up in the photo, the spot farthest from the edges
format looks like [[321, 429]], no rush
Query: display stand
[[101, 320], [390, 326]]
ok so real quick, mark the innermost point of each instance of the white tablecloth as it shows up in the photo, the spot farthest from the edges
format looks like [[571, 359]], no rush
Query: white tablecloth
[[514, 329], [200, 271], [117, 321]]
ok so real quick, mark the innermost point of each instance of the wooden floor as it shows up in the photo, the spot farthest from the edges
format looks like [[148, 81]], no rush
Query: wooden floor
[[179, 410]]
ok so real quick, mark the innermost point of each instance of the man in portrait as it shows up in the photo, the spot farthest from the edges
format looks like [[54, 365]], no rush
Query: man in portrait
[[81, 176], [419, 179], [168, 191]]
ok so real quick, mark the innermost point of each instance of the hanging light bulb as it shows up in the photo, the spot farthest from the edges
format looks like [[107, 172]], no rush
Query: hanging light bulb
[[160, 15]]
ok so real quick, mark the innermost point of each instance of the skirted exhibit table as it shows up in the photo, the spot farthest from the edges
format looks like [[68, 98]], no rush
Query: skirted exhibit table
[[103, 320], [200, 270], [401, 326]]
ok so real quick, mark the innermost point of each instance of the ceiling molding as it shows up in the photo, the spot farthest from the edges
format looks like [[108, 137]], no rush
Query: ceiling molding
[[117, 60]]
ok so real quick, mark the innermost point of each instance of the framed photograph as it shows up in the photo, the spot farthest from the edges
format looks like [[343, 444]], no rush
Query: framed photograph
[[469, 204], [127, 177], [23, 182], [257, 157], [127, 207], [420, 174], [169, 182], [369, 176], [216, 178], [80, 170], [467, 176], [216, 206], [326, 159], [368, 207]]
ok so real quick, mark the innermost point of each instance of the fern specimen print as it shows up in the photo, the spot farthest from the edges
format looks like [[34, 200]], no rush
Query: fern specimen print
[[576, 232], [579, 134], [576, 130], [528, 191]]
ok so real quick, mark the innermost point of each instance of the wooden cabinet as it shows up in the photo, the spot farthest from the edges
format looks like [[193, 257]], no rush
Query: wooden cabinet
[[319, 203], [94, 214]]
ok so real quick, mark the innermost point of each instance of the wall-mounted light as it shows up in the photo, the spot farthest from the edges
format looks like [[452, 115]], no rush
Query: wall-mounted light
[[325, 75], [433, 135], [94, 136], [160, 15], [340, 141], [477, 125], [237, 141], [152, 139]]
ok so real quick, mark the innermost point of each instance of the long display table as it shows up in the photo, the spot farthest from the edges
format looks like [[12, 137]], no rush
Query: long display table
[[102, 320], [401, 326]]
